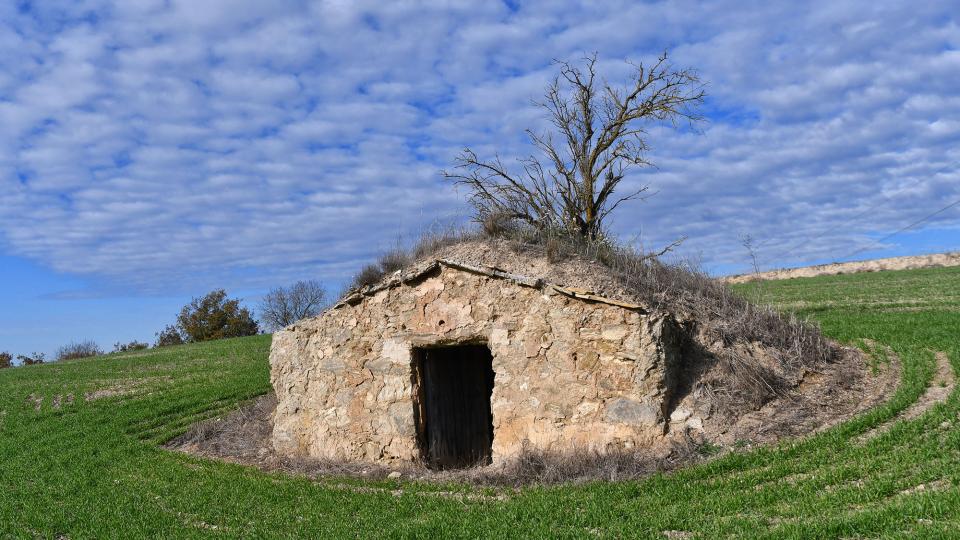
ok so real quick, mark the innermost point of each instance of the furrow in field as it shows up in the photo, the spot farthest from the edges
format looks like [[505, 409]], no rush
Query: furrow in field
[[940, 388]]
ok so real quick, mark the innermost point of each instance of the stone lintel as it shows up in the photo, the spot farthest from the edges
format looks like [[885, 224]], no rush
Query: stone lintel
[[590, 297], [406, 278], [535, 283]]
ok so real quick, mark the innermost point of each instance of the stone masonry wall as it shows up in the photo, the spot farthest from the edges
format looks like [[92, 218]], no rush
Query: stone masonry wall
[[569, 373]]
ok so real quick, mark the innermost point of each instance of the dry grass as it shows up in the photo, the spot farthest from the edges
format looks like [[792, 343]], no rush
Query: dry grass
[[244, 436], [398, 258], [77, 350], [728, 329], [534, 467]]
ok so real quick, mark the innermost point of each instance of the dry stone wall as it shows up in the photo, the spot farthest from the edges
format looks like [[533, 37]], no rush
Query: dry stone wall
[[571, 371]]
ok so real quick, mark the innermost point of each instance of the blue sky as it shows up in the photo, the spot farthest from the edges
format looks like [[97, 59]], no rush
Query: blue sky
[[151, 150]]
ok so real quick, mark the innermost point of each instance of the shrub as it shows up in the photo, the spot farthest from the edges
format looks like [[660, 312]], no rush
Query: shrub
[[398, 258], [81, 349], [215, 317], [6, 361], [132, 346], [33, 359], [286, 305], [368, 275], [169, 336], [388, 263]]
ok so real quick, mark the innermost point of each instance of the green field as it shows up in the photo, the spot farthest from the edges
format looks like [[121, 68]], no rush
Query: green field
[[93, 469]]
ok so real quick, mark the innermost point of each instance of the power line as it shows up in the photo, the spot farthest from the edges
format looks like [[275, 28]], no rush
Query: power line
[[885, 199], [907, 228], [808, 241]]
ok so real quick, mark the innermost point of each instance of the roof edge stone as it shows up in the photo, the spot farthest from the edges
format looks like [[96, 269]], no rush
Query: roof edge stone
[[401, 277]]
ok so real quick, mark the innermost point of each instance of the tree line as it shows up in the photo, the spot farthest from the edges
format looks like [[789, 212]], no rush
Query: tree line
[[206, 318]]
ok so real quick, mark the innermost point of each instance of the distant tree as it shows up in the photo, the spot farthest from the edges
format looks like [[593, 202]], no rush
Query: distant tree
[[33, 359], [601, 132], [169, 336], [132, 346], [284, 306], [6, 361], [78, 349], [215, 317]]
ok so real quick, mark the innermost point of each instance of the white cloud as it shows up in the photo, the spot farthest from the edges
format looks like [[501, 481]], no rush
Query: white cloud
[[176, 146]]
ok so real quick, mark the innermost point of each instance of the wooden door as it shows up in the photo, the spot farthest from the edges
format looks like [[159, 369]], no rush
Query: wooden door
[[457, 384]]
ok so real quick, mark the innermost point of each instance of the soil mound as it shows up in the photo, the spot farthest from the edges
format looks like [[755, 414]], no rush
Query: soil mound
[[748, 373], [823, 399]]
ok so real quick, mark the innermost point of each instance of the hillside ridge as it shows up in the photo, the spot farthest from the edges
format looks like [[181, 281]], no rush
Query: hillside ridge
[[908, 262]]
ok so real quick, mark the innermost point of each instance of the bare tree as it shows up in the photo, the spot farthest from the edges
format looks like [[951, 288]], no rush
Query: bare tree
[[32, 360], [78, 349], [286, 305], [602, 134]]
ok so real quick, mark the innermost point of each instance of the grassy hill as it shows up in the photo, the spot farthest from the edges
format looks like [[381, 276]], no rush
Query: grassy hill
[[79, 451]]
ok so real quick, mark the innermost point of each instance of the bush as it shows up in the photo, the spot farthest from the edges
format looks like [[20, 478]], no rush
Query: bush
[[169, 336], [132, 346], [82, 349], [6, 361], [33, 359], [396, 259], [282, 307], [215, 317], [388, 263], [368, 275]]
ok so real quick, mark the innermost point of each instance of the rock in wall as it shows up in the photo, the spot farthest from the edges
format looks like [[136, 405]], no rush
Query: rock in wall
[[569, 373]]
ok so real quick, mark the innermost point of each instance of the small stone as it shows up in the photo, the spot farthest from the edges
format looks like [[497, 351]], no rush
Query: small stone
[[680, 414], [394, 475], [615, 333], [631, 412]]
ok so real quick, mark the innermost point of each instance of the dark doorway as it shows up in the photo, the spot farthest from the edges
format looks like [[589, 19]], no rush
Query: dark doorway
[[454, 423]]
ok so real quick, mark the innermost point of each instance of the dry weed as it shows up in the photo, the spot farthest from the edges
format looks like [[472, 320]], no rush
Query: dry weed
[[726, 329]]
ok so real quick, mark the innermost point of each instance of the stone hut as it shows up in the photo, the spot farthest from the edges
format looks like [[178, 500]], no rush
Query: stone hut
[[455, 364]]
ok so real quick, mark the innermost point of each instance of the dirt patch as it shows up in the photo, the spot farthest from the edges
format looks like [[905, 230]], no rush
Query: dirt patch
[[936, 485], [61, 400], [245, 437], [103, 393], [35, 401], [112, 388], [941, 386], [819, 400], [938, 391], [875, 265], [124, 387]]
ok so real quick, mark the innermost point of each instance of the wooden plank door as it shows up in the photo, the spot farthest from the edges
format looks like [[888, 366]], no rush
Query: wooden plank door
[[457, 384]]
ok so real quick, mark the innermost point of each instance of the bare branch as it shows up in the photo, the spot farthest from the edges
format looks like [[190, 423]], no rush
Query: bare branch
[[602, 135], [286, 305]]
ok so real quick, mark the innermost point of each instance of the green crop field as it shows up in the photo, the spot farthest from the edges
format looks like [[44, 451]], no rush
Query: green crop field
[[77, 468]]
